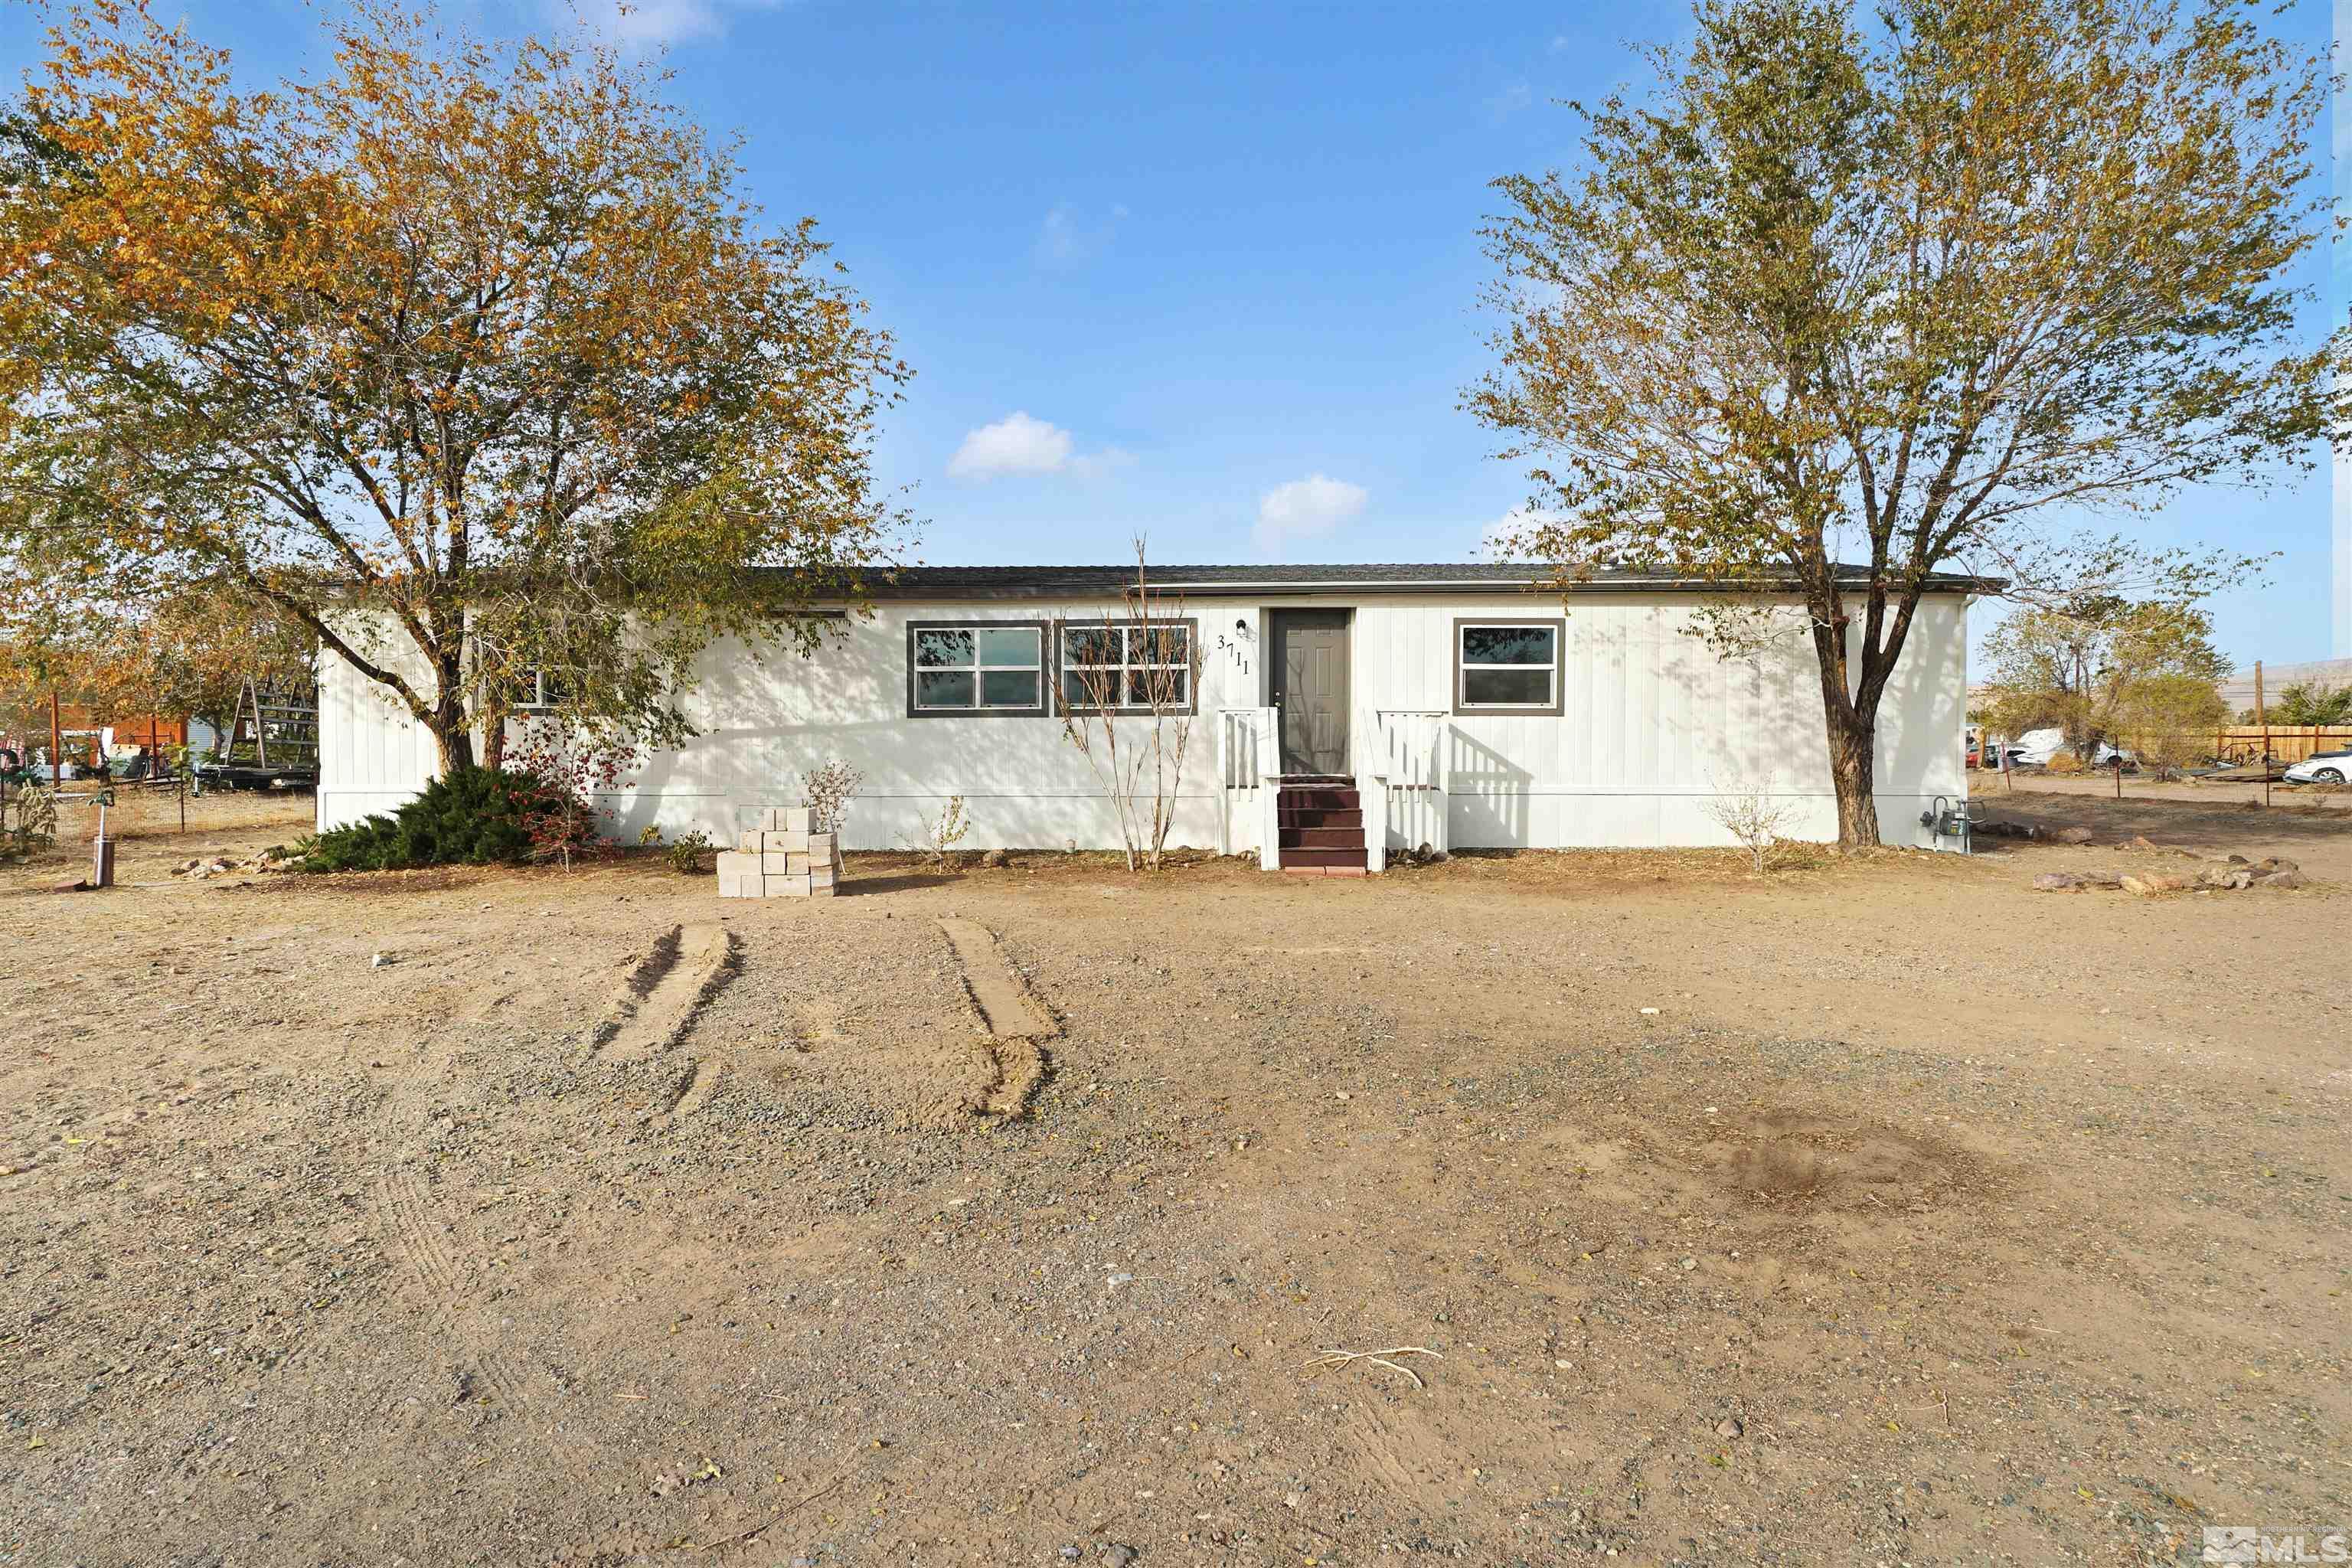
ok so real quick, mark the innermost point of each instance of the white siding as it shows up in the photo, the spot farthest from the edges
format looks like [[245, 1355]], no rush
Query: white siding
[[1024, 785], [1653, 726], [372, 755]]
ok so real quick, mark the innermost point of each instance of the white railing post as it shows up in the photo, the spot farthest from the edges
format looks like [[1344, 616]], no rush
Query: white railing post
[[1245, 738], [1224, 786], [1269, 796], [1373, 790], [1413, 749], [1440, 788]]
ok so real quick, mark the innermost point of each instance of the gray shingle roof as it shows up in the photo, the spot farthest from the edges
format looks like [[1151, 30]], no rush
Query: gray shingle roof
[[1040, 581]]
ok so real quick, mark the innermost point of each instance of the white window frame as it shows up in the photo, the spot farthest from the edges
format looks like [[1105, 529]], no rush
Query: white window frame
[[541, 701], [1551, 705]]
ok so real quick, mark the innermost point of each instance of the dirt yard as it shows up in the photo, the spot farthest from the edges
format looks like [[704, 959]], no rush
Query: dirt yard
[[1866, 1212], [2298, 798]]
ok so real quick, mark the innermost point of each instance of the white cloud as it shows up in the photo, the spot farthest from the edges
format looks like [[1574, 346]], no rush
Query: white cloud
[[1069, 236], [1014, 445], [654, 24], [1020, 444], [1305, 509], [1495, 543], [1057, 238], [1095, 464], [1509, 101]]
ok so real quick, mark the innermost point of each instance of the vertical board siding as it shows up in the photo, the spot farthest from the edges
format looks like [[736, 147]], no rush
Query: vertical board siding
[[1652, 727], [372, 755]]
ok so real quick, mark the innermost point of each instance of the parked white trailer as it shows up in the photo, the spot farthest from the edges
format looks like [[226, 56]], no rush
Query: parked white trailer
[[1463, 706]]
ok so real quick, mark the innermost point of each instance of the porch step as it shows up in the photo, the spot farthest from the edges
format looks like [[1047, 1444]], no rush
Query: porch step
[[1319, 797], [1290, 856], [1319, 816], [1320, 822]]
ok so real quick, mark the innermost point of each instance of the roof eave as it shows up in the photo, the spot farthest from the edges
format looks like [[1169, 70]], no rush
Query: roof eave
[[1362, 588]]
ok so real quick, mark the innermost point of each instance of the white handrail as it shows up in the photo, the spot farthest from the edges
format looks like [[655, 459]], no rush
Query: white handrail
[[1225, 796], [1411, 743], [1242, 737], [1269, 798], [1246, 739], [1372, 795]]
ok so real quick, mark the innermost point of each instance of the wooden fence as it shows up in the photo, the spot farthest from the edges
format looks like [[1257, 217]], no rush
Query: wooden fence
[[2288, 742]]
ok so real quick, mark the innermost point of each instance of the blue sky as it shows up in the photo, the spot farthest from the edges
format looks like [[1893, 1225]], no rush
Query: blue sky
[[1205, 271]]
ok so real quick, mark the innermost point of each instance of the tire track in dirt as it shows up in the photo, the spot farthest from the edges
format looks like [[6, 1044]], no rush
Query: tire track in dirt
[[1012, 1020], [691, 1087], [665, 992], [685, 1092], [409, 1227]]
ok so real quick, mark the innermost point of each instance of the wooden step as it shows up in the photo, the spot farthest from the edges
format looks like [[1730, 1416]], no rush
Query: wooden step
[[1289, 857], [1320, 819]]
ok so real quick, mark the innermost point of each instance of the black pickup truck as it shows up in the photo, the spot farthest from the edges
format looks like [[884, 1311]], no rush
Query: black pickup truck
[[254, 776]]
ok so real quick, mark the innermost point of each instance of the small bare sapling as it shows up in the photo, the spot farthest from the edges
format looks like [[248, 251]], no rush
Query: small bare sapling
[[1752, 817], [940, 838], [828, 789]]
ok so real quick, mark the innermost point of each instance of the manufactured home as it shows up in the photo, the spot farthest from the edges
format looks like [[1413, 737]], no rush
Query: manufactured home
[[1446, 706]]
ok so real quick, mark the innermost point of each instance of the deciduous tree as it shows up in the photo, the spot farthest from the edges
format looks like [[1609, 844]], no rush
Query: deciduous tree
[[2311, 702], [1130, 689], [120, 650], [1897, 299], [470, 357], [2100, 664], [2168, 722]]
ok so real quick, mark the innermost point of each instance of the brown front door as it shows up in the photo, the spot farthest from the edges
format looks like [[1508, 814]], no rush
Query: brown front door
[[1310, 687]]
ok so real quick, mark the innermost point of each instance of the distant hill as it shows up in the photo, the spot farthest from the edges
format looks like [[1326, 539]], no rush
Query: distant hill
[[2238, 691]]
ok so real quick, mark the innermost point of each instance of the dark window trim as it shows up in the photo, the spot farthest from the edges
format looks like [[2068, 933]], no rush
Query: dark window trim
[[1045, 670], [1192, 625], [1553, 709]]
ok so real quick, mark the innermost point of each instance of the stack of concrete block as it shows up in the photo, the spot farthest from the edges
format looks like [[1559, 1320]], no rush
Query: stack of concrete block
[[784, 857]]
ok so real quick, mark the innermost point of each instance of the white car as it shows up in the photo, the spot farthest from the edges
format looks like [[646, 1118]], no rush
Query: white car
[[2035, 748], [2321, 767]]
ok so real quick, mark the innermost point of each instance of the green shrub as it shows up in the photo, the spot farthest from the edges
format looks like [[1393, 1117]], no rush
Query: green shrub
[[687, 850], [469, 816]]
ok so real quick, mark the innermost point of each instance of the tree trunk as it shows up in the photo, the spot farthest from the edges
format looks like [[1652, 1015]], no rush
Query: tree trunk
[[451, 737], [494, 738], [451, 734], [1853, 743]]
